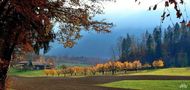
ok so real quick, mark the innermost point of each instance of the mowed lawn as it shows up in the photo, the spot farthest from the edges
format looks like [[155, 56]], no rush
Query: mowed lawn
[[28, 73], [155, 84], [150, 84], [165, 71]]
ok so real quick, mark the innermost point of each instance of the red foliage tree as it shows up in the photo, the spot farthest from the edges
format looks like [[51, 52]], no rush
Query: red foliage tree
[[26, 25]]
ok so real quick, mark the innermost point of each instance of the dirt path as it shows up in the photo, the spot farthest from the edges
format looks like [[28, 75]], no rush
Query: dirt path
[[85, 83]]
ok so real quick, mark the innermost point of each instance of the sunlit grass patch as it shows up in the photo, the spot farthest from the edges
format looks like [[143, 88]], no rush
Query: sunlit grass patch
[[165, 71], [151, 84]]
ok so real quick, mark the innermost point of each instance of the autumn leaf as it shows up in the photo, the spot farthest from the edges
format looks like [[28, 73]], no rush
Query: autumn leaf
[[149, 8], [27, 47], [163, 15], [181, 1], [178, 14], [166, 4], [155, 6], [167, 15], [188, 25]]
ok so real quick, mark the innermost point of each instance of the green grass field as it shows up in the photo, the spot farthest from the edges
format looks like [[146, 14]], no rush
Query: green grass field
[[151, 84], [166, 71], [155, 84], [35, 73]]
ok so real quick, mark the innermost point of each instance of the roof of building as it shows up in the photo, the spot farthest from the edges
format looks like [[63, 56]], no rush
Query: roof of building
[[23, 62], [33, 63]]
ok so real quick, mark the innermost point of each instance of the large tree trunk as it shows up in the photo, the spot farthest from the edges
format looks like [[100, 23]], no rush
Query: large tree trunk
[[4, 64], [5, 58], [6, 51], [113, 71], [125, 71]]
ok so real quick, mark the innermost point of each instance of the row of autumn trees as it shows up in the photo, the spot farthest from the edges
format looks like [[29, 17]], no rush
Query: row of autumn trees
[[111, 66], [171, 45]]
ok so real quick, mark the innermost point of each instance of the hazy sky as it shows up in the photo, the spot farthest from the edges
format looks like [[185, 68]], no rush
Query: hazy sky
[[128, 17]]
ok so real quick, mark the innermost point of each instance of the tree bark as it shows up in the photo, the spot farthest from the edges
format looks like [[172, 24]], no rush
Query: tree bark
[[5, 59], [3, 72], [102, 72], [113, 71], [4, 65], [6, 52], [125, 71], [94, 73]]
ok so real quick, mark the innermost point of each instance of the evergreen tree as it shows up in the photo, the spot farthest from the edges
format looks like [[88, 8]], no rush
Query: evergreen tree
[[150, 48], [157, 37]]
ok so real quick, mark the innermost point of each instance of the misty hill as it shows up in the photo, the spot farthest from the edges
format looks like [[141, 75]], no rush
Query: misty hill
[[76, 60]]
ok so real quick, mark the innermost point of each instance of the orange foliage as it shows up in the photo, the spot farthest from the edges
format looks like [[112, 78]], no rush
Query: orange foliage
[[118, 65], [130, 65], [93, 70], [137, 64], [52, 72], [158, 63], [125, 65], [100, 67]]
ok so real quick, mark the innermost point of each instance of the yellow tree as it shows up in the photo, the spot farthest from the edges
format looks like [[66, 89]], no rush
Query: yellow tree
[[106, 67], [70, 70], [52, 72], [47, 72], [85, 70], [137, 64], [118, 65], [64, 71], [130, 66], [111, 67], [93, 70], [100, 68], [76, 69], [125, 66], [58, 72], [158, 63]]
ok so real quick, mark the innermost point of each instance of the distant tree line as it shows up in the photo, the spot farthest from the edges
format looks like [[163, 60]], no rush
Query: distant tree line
[[171, 45]]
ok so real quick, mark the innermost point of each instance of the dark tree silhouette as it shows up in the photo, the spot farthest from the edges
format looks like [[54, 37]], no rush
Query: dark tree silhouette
[[157, 37], [150, 48]]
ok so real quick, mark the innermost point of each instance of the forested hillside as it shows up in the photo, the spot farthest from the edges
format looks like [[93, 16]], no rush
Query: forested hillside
[[170, 44]]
